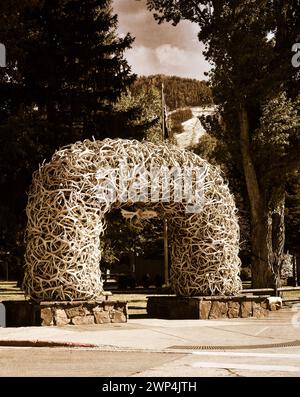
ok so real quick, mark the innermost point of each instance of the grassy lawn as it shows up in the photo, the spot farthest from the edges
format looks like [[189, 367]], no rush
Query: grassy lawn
[[137, 302], [10, 292], [290, 294]]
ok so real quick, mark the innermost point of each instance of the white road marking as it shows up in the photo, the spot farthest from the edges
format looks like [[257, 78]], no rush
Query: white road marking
[[254, 367], [246, 354]]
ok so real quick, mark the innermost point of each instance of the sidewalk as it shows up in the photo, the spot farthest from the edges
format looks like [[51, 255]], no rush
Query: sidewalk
[[166, 335]]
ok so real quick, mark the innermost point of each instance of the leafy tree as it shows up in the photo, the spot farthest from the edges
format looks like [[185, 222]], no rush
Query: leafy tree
[[249, 43], [293, 213], [214, 149]]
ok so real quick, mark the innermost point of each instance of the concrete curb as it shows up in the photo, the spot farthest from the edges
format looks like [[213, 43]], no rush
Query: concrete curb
[[38, 343]]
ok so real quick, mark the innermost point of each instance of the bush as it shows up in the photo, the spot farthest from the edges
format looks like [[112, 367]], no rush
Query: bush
[[179, 117]]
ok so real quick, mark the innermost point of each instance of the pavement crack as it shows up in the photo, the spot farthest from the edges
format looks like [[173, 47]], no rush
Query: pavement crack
[[232, 372]]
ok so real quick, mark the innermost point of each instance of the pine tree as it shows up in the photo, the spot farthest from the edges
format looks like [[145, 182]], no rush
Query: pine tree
[[179, 92], [66, 70], [75, 66]]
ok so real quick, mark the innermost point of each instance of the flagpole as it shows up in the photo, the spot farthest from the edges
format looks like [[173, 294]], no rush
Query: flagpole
[[163, 111], [165, 225]]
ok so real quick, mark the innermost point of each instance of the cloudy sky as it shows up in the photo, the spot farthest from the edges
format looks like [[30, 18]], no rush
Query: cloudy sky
[[160, 48]]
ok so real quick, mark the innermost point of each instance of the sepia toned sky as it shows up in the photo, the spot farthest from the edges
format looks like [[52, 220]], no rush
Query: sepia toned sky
[[160, 48]]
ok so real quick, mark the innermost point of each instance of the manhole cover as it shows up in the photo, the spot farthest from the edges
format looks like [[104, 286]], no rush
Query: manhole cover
[[238, 347]]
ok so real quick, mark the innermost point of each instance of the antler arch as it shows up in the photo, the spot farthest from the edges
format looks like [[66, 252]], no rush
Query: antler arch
[[66, 218]]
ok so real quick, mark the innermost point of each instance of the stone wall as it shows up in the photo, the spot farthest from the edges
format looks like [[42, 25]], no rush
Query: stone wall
[[29, 313], [211, 307], [83, 313]]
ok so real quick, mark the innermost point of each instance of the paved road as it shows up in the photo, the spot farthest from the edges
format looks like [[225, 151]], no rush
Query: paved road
[[150, 347], [81, 362]]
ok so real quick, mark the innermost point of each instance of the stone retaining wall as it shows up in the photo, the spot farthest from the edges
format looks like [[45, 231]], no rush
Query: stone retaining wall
[[211, 307], [83, 313], [29, 313]]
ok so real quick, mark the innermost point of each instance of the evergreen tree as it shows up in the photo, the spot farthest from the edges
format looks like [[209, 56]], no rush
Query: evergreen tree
[[74, 66], [65, 72], [140, 114], [179, 92]]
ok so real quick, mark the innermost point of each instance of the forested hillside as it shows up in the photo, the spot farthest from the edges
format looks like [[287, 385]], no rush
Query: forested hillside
[[179, 92]]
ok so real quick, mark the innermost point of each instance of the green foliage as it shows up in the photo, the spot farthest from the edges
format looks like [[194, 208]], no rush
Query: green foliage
[[293, 213], [142, 114], [278, 130], [251, 74], [180, 95], [276, 143], [179, 92], [247, 64], [215, 150], [65, 72], [178, 117], [123, 237]]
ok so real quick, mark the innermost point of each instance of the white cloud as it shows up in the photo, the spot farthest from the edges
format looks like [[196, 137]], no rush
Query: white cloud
[[169, 55], [142, 60], [167, 59], [160, 48]]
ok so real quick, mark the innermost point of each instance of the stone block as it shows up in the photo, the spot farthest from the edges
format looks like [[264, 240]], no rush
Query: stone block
[[265, 304], [218, 310], [97, 309], [259, 311], [60, 317], [233, 309], [118, 317], [79, 320], [102, 317], [246, 309], [108, 306], [204, 309], [47, 316], [76, 311]]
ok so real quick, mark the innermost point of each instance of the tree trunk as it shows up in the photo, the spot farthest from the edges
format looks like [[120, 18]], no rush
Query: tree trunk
[[263, 275], [261, 223], [277, 204]]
